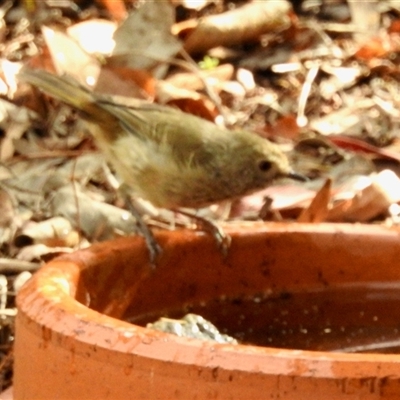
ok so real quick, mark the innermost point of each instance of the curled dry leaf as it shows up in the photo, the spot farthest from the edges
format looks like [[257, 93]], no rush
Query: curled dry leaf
[[244, 24], [41, 252], [54, 232]]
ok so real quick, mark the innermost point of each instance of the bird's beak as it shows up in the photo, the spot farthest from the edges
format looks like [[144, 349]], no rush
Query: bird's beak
[[297, 177]]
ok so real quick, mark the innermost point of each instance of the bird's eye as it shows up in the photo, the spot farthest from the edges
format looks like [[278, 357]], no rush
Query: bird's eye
[[265, 165]]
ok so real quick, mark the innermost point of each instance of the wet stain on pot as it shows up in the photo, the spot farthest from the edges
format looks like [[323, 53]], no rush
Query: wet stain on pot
[[322, 279], [128, 369], [214, 373], [389, 386], [72, 364], [370, 385], [46, 335]]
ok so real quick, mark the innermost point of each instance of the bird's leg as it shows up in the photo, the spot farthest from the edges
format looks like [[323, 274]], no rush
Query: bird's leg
[[152, 245], [154, 248], [222, 238]]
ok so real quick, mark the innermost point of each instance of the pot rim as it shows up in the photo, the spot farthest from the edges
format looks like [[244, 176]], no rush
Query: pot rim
[[51, 297]]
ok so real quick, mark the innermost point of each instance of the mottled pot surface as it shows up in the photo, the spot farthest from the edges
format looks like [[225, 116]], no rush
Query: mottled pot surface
[[72, 340]]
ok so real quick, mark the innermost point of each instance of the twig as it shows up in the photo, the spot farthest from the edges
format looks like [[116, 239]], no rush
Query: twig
[[11, 265]]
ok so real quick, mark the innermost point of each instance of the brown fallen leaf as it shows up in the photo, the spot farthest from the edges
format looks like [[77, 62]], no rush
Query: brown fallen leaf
[[201, 107], [285, 126], [192, 81], [360, 146], [284, 197], [363, 198], [124, 81], [241, 25], [187, 100], [145, 38], [116, 8], [317, 211]]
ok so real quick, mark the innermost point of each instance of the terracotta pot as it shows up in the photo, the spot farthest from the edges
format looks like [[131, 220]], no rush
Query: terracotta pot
[[73, 341]]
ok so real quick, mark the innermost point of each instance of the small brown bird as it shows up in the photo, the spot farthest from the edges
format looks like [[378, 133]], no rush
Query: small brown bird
[[171, 158]]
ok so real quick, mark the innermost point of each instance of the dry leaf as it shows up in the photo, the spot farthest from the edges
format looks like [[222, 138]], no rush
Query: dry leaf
[[14, 121], [95, 36], [341, 78], [98, 220], [7, 212], [193, 4], [243, 24], [285, 127], [318, 208], [363, 198], [201, 107], [376, 47], [53, 232], [68, 57], [360, 146], [145, 37], [288, 196], [187, 100], [195, 81], [41, 252], [246, 79], [123, 81], [342, 120], [116, 8], [366, 18]]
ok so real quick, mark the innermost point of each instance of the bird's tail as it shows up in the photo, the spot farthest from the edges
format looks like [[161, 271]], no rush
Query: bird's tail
[[105, 125], [67, 90]]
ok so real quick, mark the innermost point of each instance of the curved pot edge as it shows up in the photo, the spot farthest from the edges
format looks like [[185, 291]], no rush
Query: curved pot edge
[[57, 302]]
